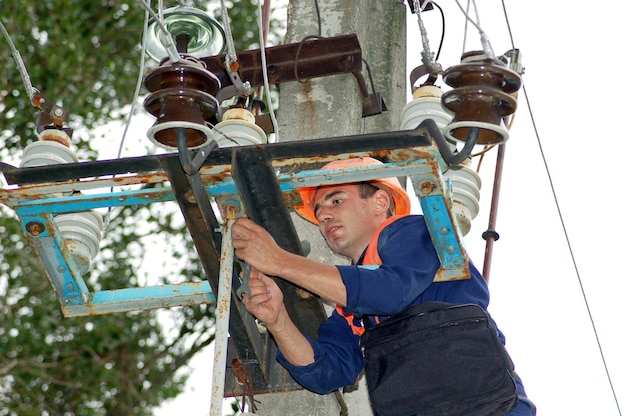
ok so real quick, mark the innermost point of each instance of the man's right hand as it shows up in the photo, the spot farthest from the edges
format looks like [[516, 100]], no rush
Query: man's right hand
[[265, 300], [266, 303]]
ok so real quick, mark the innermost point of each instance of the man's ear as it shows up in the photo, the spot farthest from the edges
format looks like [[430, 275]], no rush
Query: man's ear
[[382, 201]]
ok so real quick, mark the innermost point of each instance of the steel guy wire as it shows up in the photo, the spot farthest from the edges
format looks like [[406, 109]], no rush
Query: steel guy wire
[[564, 227]]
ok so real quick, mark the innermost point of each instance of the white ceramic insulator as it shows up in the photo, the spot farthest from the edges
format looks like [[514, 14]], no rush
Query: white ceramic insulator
[[237, 128], [499, 129], [465, 186], [82, 232], [47, 152], [426, 104]]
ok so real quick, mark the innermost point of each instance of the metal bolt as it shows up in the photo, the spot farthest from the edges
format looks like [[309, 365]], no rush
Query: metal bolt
[[61, 269], [35, 228], [450, 249], [70, 287], [444, 230], [58, 112], [427, 187]]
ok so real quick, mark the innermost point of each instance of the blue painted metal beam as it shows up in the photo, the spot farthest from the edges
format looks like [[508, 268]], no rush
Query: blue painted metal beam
[[39, 202], [148, 297]]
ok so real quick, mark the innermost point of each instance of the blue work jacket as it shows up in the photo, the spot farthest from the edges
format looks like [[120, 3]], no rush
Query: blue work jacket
[[405, 277]]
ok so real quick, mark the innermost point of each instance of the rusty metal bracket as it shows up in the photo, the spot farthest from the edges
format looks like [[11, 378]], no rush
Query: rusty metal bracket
[[52, 116], [299, 61]]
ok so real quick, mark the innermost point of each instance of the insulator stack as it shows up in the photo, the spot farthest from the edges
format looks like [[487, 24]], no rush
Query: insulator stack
[[481, 98], [182, 96], [426, 104], [238, 128], [81, 231], [465, 185]]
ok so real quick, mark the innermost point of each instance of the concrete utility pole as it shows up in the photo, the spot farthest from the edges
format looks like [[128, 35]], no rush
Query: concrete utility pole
[[332, 106]]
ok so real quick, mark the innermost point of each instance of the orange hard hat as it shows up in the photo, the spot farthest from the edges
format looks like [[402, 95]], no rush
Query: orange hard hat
[[392, 185]]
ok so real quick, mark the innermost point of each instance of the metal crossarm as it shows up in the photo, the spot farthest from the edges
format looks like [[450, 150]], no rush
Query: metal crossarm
[[264, 179]]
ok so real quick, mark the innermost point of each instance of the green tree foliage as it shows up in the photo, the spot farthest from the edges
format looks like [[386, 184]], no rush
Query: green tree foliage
[[107, 364], [84, 55]]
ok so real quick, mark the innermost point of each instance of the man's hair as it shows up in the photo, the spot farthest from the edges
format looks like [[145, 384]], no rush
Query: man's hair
[[366, 190]]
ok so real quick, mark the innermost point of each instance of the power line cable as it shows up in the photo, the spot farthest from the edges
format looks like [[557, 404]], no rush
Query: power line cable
[[168, 41], [564, 227], [484, 40], [30, 90], [142, 65], [131, 112], [266, 84]]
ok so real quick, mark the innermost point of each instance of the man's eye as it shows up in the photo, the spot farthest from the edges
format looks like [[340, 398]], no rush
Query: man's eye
[[336, 201]]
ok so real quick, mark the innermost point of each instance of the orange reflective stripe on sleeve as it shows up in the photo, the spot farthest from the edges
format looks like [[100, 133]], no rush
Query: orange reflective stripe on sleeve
[[356, 330]]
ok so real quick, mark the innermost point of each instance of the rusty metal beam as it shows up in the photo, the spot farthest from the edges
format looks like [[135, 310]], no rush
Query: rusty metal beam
[[294, 61], [206, 235], [263, 201], [375, 144]]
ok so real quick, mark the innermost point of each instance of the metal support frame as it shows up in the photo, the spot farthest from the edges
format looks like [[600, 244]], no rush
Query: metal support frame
[[265, 178]]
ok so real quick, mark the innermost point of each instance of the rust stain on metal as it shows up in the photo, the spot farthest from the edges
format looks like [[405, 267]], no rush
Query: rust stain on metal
[[224, 306], [215, 177], [303, 294], [190, 197], [410, 154], [379, 154]]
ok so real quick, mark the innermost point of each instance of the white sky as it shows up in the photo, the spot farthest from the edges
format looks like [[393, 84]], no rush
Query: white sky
[[536, 297], [571, 53], [574, 87]]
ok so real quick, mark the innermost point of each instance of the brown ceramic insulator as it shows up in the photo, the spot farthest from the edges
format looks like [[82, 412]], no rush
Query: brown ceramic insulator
[[181, 93], [182, 76], [175, 105], [481, 94]]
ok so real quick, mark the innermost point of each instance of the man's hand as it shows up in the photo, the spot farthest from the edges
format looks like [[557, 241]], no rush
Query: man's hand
[[265, 300], [266, 303], [254, 245]]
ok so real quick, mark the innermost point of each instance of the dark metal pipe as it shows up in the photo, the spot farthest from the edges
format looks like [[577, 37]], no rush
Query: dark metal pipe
[[491, 235]]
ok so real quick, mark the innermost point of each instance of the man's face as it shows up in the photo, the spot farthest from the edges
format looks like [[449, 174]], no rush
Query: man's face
[[347, 221]]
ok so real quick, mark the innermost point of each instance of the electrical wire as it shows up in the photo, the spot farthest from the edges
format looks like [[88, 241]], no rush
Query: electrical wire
[[266, 84], [319, 18], [230, 43], [443, 30], [427, 55], [484, 40], [169, 44], [142, 62], [571, 252], [142, 65], [564, 227], [30, 90]]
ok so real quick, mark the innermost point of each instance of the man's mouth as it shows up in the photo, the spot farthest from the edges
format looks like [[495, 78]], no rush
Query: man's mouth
[[331, 229]]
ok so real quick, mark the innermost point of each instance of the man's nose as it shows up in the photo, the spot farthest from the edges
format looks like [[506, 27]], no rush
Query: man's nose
[[323, 214]]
